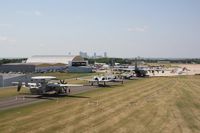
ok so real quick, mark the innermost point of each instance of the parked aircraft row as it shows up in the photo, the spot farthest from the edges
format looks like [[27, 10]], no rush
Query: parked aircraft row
[[48, 84]]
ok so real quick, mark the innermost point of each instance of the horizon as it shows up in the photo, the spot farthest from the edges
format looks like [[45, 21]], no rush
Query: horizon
[[91, 56]]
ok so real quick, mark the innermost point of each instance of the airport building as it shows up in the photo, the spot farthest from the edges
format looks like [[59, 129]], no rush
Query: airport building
[[7, 79], [17, 67], [48, 63], [30, 68]]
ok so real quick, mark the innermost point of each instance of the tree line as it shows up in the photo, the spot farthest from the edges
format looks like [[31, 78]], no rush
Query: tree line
[[112, 61], [17, 60]]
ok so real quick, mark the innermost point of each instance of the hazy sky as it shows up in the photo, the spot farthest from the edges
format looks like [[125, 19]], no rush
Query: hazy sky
[[122, 28]]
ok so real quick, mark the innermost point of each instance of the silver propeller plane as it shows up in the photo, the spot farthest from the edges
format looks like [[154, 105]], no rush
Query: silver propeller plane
[[102, 80]]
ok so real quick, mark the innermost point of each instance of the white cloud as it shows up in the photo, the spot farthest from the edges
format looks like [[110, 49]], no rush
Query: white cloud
[[138, 29], [37, 13], [30, 13]]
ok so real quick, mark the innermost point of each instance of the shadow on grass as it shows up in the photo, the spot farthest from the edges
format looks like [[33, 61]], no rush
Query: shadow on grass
[[53, 96]]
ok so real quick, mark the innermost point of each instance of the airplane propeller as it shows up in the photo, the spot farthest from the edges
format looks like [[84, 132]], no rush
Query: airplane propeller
[[64, 88], [19, 86], [63, 82]]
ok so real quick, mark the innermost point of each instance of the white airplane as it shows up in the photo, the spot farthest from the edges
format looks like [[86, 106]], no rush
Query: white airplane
[[102, 80], [127, 75], [42, 85]]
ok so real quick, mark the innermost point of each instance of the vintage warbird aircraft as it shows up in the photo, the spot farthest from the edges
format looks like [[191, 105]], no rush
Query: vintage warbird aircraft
[[102, 80], [42, 85], [138, 71]]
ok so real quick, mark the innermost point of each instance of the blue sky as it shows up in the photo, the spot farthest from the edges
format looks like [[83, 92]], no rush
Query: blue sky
[[122, 28]]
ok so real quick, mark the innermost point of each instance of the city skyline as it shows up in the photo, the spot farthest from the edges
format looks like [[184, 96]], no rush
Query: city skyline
[[163, 29]]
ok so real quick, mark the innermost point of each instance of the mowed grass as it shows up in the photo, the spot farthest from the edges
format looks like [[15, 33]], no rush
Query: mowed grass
[[152, 105], [11, 91]]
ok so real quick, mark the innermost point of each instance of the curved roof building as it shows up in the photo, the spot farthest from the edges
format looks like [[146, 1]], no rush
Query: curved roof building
[[55, 59]]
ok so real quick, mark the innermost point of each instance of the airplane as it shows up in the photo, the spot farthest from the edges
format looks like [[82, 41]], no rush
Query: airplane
[[102, 80], [138, 71], [127, 75], [42, 85]]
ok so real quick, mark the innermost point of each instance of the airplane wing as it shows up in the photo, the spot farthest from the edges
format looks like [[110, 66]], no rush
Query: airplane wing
[[64, 85], [107, 80], [70, 85], [43, 77], [92, 80], [128, 69], [17, 83]]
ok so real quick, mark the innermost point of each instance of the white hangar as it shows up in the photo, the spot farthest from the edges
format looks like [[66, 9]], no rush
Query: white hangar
[[70, 60]]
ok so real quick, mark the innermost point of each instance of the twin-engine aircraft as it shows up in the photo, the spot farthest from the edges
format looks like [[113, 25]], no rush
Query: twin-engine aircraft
[[43, 85], [102, 80]]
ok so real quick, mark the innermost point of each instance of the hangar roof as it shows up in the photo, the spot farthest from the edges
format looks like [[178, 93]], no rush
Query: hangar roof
[[54, 59]]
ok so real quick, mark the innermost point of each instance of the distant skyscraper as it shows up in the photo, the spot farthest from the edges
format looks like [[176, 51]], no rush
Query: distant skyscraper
[[83, 54], [105, 54], [95, 55]]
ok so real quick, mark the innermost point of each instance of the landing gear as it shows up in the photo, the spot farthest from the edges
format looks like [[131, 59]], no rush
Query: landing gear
[[65, 90], [92, 83]]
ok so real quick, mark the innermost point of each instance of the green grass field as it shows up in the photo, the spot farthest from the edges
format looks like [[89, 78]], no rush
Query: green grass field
[[152, 105]]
